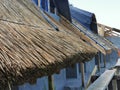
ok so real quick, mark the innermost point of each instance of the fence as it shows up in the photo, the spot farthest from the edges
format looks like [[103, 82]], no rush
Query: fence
[[109, 80]]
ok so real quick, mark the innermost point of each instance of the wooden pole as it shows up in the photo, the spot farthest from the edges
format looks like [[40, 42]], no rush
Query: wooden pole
[[93, 73], [48, 5], [50, 82], [104, 60], [100, 54], [55, 11], [109, 57], [82, 74], [39, 3], [114, 83], [97, 61]]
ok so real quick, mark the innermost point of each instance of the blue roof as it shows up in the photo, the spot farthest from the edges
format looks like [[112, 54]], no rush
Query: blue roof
[[61, 5], [85, 18]]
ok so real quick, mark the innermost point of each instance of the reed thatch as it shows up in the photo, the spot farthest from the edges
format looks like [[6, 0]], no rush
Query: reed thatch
[[31, 48]]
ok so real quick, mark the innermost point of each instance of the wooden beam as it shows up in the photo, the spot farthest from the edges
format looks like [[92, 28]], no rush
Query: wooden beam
[[101, 25], [82, 74], [115, 77], [93, 73], [103, 81], [117, 30], [39, 3], [101, 31], [50, 82], [108, 30]]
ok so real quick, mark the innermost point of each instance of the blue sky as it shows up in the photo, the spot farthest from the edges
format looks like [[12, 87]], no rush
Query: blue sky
[[107, 11]]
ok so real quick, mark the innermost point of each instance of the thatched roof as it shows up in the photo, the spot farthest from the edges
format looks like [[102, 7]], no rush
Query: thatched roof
[[31, 48]]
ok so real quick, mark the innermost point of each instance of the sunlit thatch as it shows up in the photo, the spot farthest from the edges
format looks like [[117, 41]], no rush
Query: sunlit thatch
[[31, 48]]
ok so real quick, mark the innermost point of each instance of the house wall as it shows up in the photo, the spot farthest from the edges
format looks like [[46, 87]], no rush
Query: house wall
[[60, 80], [42, 83]]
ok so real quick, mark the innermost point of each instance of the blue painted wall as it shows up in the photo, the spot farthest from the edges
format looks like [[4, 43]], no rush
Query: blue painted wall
[[60, 80], [42, 83]]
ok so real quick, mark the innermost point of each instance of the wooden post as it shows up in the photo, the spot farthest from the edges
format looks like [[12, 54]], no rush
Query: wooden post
[[93, 73], [48, 5], [50, 82], [97, 61], [100, 54], [114, 84], [109, 57], [117, 72], [39, 3], [104, 60], [82, 74], [55, 11], [101, 31]]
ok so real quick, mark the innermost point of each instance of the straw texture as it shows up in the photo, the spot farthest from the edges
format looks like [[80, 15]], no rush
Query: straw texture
[[31, 48]]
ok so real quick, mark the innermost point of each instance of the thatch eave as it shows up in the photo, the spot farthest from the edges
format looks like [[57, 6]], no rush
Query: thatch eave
[[23, 43], [31, 48]]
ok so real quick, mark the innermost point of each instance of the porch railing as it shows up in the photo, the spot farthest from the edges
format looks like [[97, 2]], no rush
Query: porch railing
[[109, 80]]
